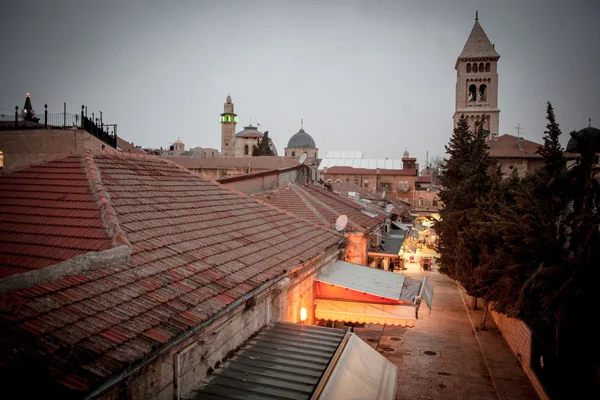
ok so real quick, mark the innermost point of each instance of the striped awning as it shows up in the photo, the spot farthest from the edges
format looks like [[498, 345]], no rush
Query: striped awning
[[365, 313]]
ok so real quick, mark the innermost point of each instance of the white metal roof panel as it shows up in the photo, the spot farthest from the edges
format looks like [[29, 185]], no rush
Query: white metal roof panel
[[364, 279]]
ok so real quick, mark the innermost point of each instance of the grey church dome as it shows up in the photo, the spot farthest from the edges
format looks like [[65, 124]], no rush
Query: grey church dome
[[590, 133], [302, 139]]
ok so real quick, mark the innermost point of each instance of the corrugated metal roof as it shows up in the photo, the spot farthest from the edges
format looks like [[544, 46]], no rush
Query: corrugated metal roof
[[284, 361], [400, 225], [360, 163], [393, 242], [364, 279]]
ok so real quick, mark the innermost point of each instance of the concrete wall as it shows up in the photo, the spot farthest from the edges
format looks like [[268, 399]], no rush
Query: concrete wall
[[181, 369], [265, 182], [23, 148], [518, 336]]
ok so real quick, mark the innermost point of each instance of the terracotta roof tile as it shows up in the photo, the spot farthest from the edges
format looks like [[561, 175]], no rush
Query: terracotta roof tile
[[195, 247], [507, 146]]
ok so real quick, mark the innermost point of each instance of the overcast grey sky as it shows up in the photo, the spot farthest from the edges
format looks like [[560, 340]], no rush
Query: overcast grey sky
[[375, 75]]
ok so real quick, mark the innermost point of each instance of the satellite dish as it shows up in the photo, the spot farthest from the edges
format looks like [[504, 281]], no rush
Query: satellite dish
[[303, 158], [389, 207], [383, 194], [341, 223]]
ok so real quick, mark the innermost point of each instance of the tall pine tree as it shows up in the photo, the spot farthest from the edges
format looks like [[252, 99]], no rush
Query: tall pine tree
[[263, 147], [465, 179]]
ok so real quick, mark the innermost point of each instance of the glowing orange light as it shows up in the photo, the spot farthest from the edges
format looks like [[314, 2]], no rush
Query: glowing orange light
[[303, 314]]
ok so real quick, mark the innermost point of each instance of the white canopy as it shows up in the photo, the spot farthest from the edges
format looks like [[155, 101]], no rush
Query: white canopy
[[361, 373]]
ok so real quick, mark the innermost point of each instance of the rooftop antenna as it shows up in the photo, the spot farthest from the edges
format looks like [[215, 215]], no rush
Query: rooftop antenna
[[590, 122], [301, 123], [519, 129], [427, 159], [341, 223]]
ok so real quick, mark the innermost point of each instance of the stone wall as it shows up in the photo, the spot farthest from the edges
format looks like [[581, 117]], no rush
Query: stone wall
[[523, 166], [518, 336], [23, 148], [373, 182], [356, 252]]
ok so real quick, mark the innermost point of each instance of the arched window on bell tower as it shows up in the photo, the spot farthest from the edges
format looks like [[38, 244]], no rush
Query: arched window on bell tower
[[246, 149], [487, 67], [293, 154], [482, 96], [468, 68], [471, 97], [474, 67]]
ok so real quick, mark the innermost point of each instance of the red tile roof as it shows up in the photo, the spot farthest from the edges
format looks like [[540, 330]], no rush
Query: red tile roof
[[254, 163], [290, 198], [48, 214], [344, 187], [320, 206], [196, 247], [507, 146], [346, 207], [366, 171]]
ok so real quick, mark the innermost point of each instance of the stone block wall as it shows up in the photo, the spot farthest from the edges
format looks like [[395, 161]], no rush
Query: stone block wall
[[23, 148], [518, 336]]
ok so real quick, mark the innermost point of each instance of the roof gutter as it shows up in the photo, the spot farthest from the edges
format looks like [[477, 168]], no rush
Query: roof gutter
[[115, 380]]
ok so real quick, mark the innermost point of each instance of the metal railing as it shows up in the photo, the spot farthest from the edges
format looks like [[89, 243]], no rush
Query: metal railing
[[95, 126]]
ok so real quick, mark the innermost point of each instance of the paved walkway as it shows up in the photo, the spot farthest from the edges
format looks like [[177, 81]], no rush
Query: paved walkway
[[441, 357]]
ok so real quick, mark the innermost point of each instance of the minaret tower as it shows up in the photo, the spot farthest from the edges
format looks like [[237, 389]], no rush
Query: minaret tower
[[477, 81], [228, 121]]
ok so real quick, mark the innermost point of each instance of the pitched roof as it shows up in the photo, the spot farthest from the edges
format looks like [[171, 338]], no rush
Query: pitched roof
[[196, 247], [478, 45], [320, 206], [48, 215], [345, 206], [261, 162], [288, 197], [507, 146], [344, 187]]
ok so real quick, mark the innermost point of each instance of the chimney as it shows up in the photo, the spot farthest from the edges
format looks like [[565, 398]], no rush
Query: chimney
[[521, 144]]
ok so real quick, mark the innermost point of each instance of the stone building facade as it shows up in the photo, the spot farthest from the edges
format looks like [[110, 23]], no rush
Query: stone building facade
[[397, 183], [238, 144], [515, 154], [477, 82]]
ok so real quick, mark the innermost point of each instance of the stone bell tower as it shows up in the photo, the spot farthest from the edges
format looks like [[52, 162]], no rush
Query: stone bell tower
[[477, 82], [228, 121]]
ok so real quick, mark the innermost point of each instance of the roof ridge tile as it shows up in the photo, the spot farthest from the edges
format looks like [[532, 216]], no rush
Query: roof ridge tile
[[107, 212]]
